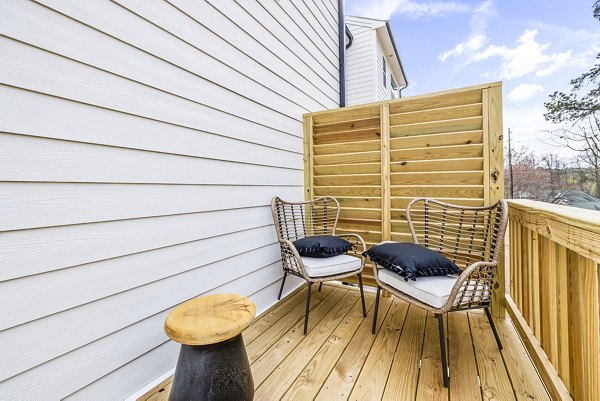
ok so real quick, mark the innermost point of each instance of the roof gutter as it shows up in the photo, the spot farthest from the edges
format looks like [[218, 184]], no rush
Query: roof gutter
[[389, 29], [342, 51]]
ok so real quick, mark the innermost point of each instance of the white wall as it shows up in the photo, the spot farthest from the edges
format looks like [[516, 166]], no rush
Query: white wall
[[383, 92], [140, 144], [360, 63]]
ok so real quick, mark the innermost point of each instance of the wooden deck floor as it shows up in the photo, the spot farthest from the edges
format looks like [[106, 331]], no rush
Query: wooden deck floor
[[339, 358]]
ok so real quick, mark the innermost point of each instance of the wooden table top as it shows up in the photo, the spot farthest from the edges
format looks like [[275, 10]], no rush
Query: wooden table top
[[209, 319]]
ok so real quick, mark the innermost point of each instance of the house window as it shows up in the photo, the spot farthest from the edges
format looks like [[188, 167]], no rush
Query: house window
[[393, 83], [384, 72]]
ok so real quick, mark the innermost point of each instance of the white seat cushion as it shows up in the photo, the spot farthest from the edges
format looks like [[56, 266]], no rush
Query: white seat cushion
[[320, 267], [433, 290]]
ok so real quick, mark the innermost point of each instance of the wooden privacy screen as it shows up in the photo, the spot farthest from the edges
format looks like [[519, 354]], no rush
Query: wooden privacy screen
[[375, 158]]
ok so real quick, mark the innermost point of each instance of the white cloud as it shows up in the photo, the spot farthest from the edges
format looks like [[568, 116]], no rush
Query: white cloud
[[384, 9], [477, 37], [527, 56], [524, 92]]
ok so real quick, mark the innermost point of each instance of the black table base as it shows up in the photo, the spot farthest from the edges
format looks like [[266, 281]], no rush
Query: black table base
[[214, 372]]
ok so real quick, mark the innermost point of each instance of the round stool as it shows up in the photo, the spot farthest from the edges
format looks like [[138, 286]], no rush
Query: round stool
[[212, 364]]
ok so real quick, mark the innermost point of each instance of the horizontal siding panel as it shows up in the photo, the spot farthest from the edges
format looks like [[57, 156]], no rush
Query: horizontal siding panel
[[131, 303], [217, 45], [118, 22], [31, 113], [193, 91], [312, 14], [89, 85], [39, 159], [132, 376], [24, 253], [287, 43], [68, 373], [308, 29], [56, 291], [26, 205]]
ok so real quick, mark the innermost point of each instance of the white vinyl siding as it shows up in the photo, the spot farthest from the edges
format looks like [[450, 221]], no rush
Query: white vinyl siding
[[141, 142], [360, 66], [383, 91]]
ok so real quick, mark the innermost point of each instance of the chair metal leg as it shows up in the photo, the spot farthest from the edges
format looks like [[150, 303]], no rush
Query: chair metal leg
[[320, 286], [491, 320], [445, 374], [282, 284], [362, 295], [376, 310], [308, 286]]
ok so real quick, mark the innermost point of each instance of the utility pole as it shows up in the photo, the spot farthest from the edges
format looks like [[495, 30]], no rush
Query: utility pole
[[510, 171]]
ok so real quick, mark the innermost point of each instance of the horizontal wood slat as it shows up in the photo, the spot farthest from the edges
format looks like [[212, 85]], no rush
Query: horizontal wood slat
[[443, 139], [444, 113]]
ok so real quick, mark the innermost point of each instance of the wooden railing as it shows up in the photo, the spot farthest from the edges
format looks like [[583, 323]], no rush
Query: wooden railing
[[375, 158], [554, 298]]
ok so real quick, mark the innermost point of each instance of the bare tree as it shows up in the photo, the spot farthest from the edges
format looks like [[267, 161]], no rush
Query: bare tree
[[584, 138], [556, 167], [528, 179]]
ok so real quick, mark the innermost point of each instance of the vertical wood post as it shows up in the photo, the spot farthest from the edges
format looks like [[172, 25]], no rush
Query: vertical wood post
[[386, 220], [308, 158], [493, 150]]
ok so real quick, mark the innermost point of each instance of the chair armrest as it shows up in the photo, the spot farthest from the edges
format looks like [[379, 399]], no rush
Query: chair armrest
[[290, 258], [358, 244], [484, 279]]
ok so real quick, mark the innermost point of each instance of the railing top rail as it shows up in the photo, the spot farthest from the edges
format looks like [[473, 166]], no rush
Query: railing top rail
[[583, 219]]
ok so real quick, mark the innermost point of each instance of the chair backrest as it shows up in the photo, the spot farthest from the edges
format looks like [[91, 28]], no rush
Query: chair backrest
[[295, 220], [463, 234]]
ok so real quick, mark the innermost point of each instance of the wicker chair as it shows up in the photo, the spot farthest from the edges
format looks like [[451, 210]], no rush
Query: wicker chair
[[473, 238], [295, 220]]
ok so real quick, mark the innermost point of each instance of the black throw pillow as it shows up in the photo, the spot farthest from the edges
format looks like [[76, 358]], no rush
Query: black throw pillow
[[411, 261], [322, 246]]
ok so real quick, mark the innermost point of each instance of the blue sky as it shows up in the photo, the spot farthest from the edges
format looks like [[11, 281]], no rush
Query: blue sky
[[534, 46]]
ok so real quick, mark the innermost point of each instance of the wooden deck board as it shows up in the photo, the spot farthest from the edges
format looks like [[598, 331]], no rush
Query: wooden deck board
[[404, 375], [340, 359], [430, 385]]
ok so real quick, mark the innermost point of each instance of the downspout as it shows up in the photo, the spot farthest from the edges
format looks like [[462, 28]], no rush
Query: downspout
[[342, 51], [350, 37]]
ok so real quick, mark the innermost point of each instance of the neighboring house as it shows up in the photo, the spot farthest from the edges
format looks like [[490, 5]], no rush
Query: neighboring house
[[577, 198], [140, 145], [373, 67]]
